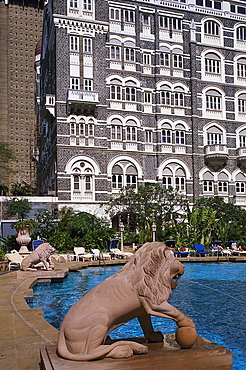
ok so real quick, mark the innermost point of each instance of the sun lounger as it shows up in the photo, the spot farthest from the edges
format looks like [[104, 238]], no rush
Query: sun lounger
[[14, 259], [199, 248], [98, 255], [117, 253], [81, 254]]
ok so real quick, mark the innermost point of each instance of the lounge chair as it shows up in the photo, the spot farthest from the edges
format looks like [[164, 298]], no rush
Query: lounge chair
[[117, 253], [184, 253], [216, 251], [239, 253], [81, 254], [98, 255], [14, 259], [199, 248]]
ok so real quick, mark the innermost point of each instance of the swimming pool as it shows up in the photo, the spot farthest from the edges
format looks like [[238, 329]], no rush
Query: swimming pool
[[212, 294]]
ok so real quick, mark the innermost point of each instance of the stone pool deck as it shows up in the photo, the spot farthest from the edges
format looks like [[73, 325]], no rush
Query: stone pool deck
[[23, 331]]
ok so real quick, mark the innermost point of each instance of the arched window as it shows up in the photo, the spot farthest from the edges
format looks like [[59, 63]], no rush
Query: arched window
[[115, 52], [89, 128], [180, 134], [242, 138], [241, 68], [130, 91], [211, 28], [212, 63], [131, 176], [167, 179], [116, 130], [130, 54], [177, 58], [82, 181], [72, 126], [166, 134], [213, 100], [116, 90], [242, 103], [240, 184], [214, 135], [180, 180], [82, 127], [165, 95], [241, 33], [173, 176], [124, 174], [179, 96], [131, 131], [165, 58], [222, 183], [208, 182]]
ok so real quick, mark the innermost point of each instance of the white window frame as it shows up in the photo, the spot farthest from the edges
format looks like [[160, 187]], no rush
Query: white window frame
[[129, 16], [116, 132], [131, 133], [75, 83], [88, 84], [211, 28], [115, 52], [87, 5], [87, 45], [116, 92], [208, 186], [74, 43]]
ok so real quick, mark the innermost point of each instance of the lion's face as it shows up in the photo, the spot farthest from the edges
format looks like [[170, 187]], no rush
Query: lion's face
[[176, 271]]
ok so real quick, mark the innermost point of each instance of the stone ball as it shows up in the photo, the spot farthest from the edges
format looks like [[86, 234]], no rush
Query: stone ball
[[186, 336]]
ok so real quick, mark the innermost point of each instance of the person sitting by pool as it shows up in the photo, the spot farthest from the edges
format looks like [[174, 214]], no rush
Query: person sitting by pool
[[172, 248], [182, 249]]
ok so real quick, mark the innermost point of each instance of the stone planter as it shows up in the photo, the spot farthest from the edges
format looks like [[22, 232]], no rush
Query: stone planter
[[23, 238]]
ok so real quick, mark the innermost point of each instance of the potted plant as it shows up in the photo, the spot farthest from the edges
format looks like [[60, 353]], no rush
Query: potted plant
[[23, 228], [21, 207]]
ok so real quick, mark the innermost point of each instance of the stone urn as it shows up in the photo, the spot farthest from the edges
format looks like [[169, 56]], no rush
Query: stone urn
[[23, 237]]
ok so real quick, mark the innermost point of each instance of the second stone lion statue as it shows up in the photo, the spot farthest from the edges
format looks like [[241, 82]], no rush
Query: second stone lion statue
[[41, 254], [141, 288]]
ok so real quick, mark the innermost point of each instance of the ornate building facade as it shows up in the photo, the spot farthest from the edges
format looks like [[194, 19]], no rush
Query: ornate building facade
[[20, 30], [136, 92]]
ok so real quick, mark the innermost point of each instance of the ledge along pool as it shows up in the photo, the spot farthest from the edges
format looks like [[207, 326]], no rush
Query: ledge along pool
[[212, 294]]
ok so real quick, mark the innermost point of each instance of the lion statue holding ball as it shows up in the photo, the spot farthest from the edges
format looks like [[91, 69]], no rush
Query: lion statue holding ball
[[41, 254], [139, 289]]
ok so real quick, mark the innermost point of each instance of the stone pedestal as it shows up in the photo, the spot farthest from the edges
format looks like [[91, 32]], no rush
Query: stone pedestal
[[203, 355], [41, 274]]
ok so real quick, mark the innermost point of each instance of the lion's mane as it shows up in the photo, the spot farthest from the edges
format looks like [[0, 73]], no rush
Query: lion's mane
[[148, 272], [44, 251]]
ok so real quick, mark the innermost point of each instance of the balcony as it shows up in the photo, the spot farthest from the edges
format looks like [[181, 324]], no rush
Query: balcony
[[49, 112], [216, 156], [241, 157], [82, 102]]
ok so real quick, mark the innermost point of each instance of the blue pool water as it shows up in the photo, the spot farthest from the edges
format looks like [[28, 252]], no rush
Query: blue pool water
[[212, 294]]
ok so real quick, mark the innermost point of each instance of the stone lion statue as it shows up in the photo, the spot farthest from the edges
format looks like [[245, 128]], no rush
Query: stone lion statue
[[139, 289], [41, 254]]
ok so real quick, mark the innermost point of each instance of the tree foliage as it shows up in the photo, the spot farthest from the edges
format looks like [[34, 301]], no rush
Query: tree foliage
[[149, 204], [18, 188], [73, 230], [18, 207]]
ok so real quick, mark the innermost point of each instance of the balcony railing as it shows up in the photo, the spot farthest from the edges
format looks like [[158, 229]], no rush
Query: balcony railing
[[82, 96], [241, 157], [82, 101], [216, 155]]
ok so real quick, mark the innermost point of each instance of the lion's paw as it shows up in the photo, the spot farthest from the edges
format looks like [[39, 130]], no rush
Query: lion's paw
[[138, 349], [121, 352]]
